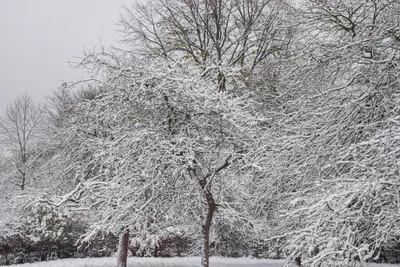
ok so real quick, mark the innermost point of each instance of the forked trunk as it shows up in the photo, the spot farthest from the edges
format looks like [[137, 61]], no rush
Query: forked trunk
[[122, 254]]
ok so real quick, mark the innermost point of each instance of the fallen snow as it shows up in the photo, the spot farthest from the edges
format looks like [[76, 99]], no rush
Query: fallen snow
[[158, 262], [167, 262]]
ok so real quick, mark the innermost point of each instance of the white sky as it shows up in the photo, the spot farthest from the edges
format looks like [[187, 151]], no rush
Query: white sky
[[39, 37]]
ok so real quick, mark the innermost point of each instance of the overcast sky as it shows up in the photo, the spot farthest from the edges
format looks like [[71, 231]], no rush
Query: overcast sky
[[39, 37]]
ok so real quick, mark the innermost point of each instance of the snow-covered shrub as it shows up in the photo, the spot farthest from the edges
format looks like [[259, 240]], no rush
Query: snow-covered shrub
[[101, 245], [52, 231], [46, 223], [172, 241]]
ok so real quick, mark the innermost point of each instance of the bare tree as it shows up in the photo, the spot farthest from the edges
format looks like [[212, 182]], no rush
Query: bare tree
[[17, 132], [215, 34]]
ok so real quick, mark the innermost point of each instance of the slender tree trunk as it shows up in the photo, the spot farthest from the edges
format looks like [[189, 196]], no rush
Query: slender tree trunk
[[205, 261], [123, 245], [43, 257], [23, 181], [23, 172], [155, 249], [221, 82]]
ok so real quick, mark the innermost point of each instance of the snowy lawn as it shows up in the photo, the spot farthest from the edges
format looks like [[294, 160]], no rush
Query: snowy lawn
[[167, 262], [158, 262]]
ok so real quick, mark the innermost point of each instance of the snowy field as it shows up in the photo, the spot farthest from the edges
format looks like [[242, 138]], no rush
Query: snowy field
[[167, 262]]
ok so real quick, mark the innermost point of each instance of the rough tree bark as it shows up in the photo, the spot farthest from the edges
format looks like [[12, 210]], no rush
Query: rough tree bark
[[122, 254], [206, 225]]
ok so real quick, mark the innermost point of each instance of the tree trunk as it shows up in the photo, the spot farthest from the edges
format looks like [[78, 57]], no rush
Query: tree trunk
[[43, 257], [23, 181], [205, 261], [123, 245], [155, 249], [221, 82]]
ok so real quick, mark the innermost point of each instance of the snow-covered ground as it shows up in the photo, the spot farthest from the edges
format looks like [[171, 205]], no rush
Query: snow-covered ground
[[167, 262]]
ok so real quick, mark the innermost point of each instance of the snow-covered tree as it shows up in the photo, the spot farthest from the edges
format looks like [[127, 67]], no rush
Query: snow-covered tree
[[160, 146], [342, 101], [264, 120], [18, 130]]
